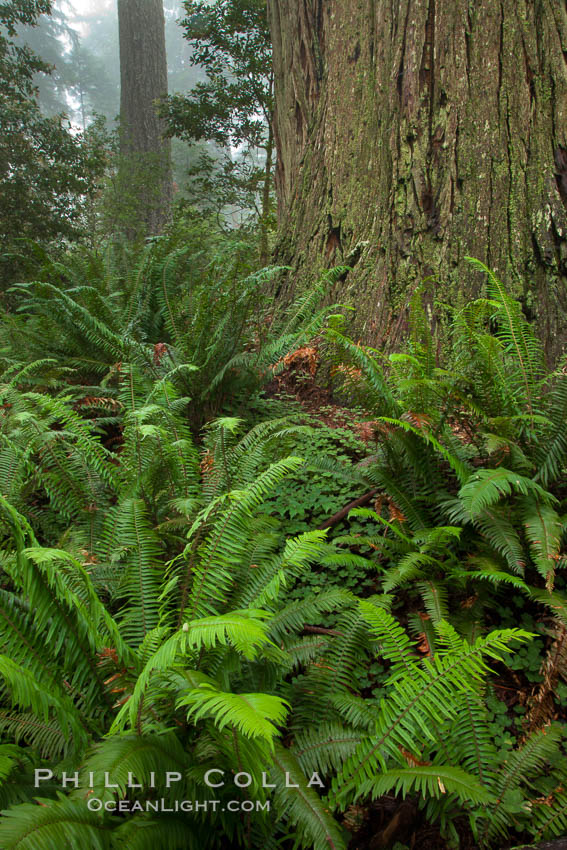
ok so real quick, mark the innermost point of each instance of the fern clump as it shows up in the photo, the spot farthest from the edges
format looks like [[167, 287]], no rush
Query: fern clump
[[201, 584]]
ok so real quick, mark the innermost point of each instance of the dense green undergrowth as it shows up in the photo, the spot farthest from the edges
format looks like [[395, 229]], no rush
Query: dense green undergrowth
[[181, 592]]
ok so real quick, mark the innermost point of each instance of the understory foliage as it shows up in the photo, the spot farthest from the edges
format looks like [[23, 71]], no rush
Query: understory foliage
[[156, 613], [233, 108], [47, 173]]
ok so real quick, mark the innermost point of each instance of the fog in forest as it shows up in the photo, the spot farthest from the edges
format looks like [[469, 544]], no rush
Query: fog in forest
[[80, 41]]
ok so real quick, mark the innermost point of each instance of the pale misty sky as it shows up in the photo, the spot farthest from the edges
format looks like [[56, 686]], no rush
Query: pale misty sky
[[79, 10]]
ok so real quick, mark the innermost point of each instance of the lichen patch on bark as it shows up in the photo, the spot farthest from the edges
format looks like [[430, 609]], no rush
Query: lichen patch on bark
[[428, 129]]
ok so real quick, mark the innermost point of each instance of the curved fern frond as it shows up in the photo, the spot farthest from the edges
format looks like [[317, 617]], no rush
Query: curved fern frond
[[254, 715], [417, 702], [301, 806], [48, 823], [429, 781], [486, 487], [123, 756]]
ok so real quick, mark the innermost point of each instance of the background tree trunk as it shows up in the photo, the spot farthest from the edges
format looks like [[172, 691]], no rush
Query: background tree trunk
[[411, 133], [145, 153], [267, 200]]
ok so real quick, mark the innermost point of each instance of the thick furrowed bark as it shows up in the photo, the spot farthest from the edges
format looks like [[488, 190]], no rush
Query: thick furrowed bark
[[412, 133]]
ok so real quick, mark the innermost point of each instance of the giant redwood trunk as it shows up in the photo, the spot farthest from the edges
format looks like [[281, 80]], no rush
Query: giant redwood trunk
[[145, 152], [411, 133]]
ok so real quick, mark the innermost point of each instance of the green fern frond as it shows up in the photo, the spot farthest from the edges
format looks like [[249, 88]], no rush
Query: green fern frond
[[254, 715], [140, 583], [338, 670], [226, 542], [45, 737], [29, 693], [49, 823], [517, 334], [166, 832], [122, 757], [395, 645], [292, 617], [521, 765], [544, 530], [486, 487], [549, 817], [428, 781], [417, 700], [462, 471], [436, 600], [371, 373], [243, 629], [325, 748], [302, 807]]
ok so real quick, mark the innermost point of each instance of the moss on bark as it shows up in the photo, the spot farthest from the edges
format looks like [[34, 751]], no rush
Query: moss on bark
[[424, 130]]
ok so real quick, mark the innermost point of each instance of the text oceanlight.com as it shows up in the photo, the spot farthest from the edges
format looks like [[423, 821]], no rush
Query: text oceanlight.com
[[95, 804]]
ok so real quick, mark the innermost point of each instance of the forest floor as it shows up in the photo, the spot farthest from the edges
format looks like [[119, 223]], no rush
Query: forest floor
[[391, 822]]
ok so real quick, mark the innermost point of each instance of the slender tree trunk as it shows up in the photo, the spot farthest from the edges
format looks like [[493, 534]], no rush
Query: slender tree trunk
[[145, 153], [411, 133], [267, 200]]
